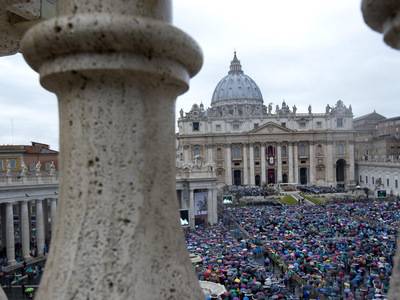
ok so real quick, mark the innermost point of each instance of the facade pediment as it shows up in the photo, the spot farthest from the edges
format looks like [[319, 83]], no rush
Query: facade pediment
[[271, 128]]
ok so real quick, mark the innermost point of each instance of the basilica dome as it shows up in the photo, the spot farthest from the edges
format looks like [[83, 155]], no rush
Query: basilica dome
[[236, 88]]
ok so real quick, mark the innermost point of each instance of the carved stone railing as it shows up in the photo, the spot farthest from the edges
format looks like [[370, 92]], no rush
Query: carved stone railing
[[117, 67], [28, 180], [384, 16]]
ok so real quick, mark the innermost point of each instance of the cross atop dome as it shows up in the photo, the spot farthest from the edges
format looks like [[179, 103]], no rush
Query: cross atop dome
[[236, 67]]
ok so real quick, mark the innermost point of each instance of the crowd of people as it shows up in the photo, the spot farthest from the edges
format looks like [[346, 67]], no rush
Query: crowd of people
[[341, 250], [236, 263]]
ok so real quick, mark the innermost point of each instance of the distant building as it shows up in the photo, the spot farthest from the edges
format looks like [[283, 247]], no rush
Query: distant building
[[248, 143], [12, 156], [378, 152]]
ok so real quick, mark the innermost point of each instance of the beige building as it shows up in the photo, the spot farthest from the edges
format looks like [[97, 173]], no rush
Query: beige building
[[249, 143]]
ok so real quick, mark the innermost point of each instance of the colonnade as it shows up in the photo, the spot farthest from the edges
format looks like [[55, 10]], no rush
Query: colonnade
[[25, 227]]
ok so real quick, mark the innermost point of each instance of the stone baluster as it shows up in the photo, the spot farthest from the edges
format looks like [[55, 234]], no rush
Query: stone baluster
[[10, 238], [117, 67], [25, 231], [384, 16]]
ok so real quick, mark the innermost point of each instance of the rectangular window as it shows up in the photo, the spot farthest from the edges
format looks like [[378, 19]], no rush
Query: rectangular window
[[360, 178], [339, 122], [319, 124], [13, 163], [366, 179], [396, 183], [235, 126], [387, 182], [196, 126], [283, 124], [373, 180], [218, 127], [302, 124], [340, 149], [255, 125], [236, 152]]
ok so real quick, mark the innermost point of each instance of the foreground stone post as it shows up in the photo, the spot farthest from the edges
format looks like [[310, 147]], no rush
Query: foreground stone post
[[384, 16], [117, 67]]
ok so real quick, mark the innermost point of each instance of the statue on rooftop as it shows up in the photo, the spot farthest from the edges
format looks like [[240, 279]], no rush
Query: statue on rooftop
[[269, 108], [309, 109], [181, 113], [327, 109], [294, 109]]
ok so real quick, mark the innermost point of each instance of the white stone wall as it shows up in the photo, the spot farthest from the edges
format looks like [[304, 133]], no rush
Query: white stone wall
[[375, 170]]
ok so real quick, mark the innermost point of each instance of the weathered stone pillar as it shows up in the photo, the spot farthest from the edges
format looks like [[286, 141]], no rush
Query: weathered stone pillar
[[117, 67], [263, 167], [10, 238], [25, 232], [290, 163], [384, 16], [252, 174], [312, 163], [210, 158], [53, 214], [215, 204], [296, 163], [186, 154], [279, 162], [39, 227], [228, 165], [245, 166]]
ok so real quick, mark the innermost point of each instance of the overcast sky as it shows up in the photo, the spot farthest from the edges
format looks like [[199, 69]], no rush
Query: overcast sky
[[306, 52]]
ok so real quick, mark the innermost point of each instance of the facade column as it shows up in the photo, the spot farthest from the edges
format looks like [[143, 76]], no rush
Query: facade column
[[329, 164], [351, 178], [25, 232], [245, 166], [39, 228], [116, 92], [296, 163], [252, 173], [53, 215], [312, 163], [186, 154], [290, 163], [210, 207], [263, 170], [10, 238], [279, 159], [191, 209], [228, 165]]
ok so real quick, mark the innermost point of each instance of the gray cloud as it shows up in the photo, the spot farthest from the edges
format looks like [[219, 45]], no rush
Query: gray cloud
[[306, 52]]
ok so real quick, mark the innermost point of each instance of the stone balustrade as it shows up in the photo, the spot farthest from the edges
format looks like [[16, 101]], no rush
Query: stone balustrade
[[28, 180]]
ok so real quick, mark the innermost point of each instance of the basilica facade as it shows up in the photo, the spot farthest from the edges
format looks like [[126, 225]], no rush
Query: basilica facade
[[244, 141]]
